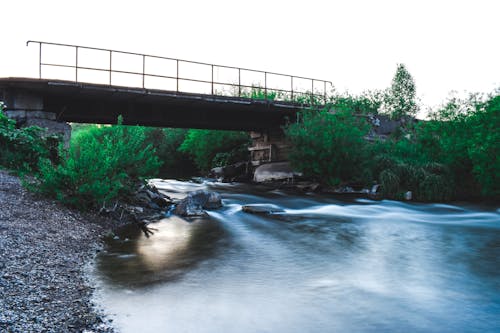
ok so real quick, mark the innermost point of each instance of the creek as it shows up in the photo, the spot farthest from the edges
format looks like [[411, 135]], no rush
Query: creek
[[323, 265]]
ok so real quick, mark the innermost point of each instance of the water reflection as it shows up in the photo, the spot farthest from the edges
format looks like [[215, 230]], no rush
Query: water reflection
[[175, 247]]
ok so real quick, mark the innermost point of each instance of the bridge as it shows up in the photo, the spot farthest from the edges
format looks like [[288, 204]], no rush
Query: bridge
[[93, 85]]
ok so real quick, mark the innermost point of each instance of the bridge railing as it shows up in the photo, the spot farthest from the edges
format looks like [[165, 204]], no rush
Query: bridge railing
[[300, 89]]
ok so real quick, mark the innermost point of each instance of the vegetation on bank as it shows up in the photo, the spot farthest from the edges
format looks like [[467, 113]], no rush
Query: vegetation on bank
[[102, 163], [21, 149], [453, 154]]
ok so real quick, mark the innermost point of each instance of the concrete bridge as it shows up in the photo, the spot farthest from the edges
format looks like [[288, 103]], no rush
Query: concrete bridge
[[190, 95]]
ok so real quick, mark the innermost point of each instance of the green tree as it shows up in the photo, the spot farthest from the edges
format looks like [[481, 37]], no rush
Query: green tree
[[210, 148], [166, 142], [400, 100], [484, 146], [328, 146], [366, 103]]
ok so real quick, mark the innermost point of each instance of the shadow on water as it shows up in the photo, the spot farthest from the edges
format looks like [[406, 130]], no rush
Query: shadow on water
[[176, 247]]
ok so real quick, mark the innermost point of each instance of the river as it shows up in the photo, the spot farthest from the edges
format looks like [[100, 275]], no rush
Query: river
[[323, 265]]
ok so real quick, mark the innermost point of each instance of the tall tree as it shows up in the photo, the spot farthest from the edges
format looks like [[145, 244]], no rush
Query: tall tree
[[400, 99]]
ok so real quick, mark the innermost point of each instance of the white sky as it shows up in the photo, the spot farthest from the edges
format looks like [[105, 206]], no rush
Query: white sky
[[446, 44]]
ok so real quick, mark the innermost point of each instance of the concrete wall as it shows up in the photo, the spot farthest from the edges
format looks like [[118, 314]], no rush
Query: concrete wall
[[268, 146], [27, 109]]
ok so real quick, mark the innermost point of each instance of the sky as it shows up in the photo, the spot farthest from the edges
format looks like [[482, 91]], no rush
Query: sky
[[447, 45]]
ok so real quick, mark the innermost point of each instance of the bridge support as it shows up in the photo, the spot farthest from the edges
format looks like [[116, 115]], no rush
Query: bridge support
[[27, 109], [268, 146]]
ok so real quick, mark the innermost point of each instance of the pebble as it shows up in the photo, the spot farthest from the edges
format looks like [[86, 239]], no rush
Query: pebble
[[44, 248]]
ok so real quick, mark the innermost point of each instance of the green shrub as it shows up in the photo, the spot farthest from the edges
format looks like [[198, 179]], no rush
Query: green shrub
[[328, 146], [102, 163], [389, 182], [363, 104], [204, 145], [22, 148]]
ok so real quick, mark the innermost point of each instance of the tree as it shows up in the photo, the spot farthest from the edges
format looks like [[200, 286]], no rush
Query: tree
[[327, 146], [400, 100], [211, 148]]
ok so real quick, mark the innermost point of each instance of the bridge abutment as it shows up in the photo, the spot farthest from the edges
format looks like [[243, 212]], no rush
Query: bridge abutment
[[27, 109], [268, 146]]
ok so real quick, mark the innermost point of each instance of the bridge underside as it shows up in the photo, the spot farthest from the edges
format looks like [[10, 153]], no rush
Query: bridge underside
[[101, 104]]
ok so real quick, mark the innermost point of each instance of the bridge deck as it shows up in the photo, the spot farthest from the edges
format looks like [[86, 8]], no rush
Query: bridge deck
[[95, 103]]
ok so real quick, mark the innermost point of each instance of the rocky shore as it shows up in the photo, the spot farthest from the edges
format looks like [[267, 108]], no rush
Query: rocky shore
[[44, 251]]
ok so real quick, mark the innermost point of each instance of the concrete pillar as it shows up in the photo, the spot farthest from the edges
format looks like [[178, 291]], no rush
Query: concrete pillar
[[269, 146]]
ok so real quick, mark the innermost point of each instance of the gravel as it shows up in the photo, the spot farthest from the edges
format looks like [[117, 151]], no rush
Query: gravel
[[44, 251]]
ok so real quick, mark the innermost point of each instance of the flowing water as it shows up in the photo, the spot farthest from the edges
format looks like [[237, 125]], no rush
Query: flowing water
[[323, 265]]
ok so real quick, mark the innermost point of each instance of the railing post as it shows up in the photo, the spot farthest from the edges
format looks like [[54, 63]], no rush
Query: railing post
[[291, 77], [324, 91], [239, 82], [143, 69], [110, 65], [212, 79], [312, 91], [177, 75], [76, 64], [40, 60], [265, 85]]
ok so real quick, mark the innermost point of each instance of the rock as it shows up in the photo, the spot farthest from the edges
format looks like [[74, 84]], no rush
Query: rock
[[142, 197], [307, 186], [161, 202], [262, 209], [408, 196], [375, 193], [274, 171], [237, 171], [195, 203]]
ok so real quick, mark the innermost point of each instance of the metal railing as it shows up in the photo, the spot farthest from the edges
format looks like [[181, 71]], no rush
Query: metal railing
[[305, 96]]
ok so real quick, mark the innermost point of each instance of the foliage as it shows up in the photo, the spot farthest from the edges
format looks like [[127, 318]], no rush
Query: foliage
[[454, 154], [166, 142], [484, 146], [328, 146], [102, 164], [22, 148], [211, 148], [400, 100], [363, 104]]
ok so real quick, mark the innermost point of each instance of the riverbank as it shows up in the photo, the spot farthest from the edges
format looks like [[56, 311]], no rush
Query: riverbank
[[44, 250]]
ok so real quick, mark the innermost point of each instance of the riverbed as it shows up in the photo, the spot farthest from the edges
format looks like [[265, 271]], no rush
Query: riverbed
[[324, 264]]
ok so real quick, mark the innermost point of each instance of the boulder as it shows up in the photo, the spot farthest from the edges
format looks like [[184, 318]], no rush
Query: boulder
[[274, 171], [233, 172], [196, 202], [262, 209]]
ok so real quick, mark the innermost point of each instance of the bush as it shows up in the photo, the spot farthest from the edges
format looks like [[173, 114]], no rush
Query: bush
[[22, 148], [166, 142], [103, 163], [364, 104], [328, 146], [205, 145]]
